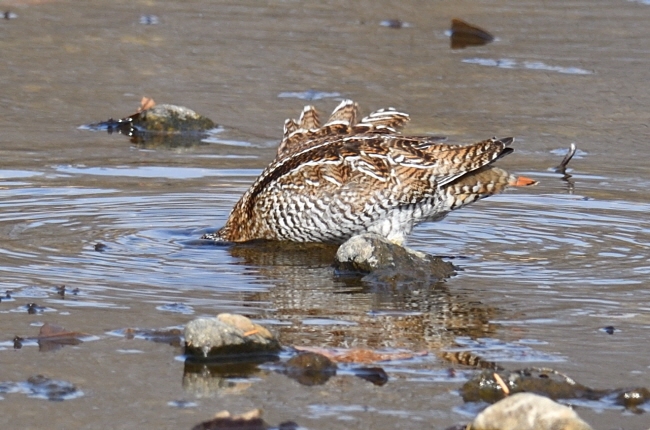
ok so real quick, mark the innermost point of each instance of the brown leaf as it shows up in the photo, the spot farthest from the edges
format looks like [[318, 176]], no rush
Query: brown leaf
[[50, 331], [146, 103]]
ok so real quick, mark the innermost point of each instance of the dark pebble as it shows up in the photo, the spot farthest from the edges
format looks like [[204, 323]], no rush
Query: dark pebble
[[149, 20], [310, 368], [394, 23], [18, 342], [375, 375], [610, 329]]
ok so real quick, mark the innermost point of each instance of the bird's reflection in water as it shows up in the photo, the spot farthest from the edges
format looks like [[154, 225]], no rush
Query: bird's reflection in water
[[328, 310]]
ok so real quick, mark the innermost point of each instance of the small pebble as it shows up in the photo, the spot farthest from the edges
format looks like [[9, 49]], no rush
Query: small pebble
[[394, 23], [610, 329], [149, 20]]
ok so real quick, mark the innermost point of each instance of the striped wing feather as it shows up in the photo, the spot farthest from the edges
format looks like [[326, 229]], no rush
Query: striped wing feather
[[363, 167]]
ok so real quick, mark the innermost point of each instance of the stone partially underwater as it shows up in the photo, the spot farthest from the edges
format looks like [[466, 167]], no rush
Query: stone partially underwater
[[379, 261], [491, 386], [228, 335], [163, 125]]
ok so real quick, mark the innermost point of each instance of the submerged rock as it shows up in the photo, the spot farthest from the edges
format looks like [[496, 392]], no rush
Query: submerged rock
[[310, 368], [384, 261], [527, 411], [42, 387], [491, 386], [228, 334]]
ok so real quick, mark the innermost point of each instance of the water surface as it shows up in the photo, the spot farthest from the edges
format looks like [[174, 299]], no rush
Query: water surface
[[544, 269]]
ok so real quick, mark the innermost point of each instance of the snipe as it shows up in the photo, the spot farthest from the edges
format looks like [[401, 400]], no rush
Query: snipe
[[349, 176]]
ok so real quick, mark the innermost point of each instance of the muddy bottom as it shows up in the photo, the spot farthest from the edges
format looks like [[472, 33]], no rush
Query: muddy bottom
[[551, 276]]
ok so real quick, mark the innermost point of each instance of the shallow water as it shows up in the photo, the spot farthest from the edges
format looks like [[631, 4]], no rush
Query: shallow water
[[544, 269]]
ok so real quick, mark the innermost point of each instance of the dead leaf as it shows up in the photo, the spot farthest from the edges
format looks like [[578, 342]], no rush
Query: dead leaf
[[53, 331], [145, 104], [52, 337]]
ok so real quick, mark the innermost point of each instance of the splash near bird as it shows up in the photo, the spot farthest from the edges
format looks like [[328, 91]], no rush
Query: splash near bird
[[349, 176]]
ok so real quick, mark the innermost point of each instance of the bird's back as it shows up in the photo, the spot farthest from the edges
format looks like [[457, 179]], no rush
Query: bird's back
[[331, 181]]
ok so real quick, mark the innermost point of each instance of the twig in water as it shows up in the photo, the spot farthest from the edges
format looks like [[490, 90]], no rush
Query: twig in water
[[562, 167], [501, 383]]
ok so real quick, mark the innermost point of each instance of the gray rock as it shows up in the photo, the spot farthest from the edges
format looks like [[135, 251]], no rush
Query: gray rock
[[527, 411], [227, 334], [171, 119], [385, 261]]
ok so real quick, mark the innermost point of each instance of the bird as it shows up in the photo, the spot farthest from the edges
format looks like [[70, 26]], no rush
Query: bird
[[353, 175]]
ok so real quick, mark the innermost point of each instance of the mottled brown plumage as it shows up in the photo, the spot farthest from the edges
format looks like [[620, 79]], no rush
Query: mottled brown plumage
[[345, 177]]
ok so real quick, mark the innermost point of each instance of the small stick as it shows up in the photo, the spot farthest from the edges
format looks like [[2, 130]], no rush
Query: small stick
[[562, 167], [501, 383], [251, 332]]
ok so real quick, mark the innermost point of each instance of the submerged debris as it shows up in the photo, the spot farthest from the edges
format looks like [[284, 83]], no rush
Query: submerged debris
[[228, 335], [527, 411], [51, 337], [41, 387], [464, 34]]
